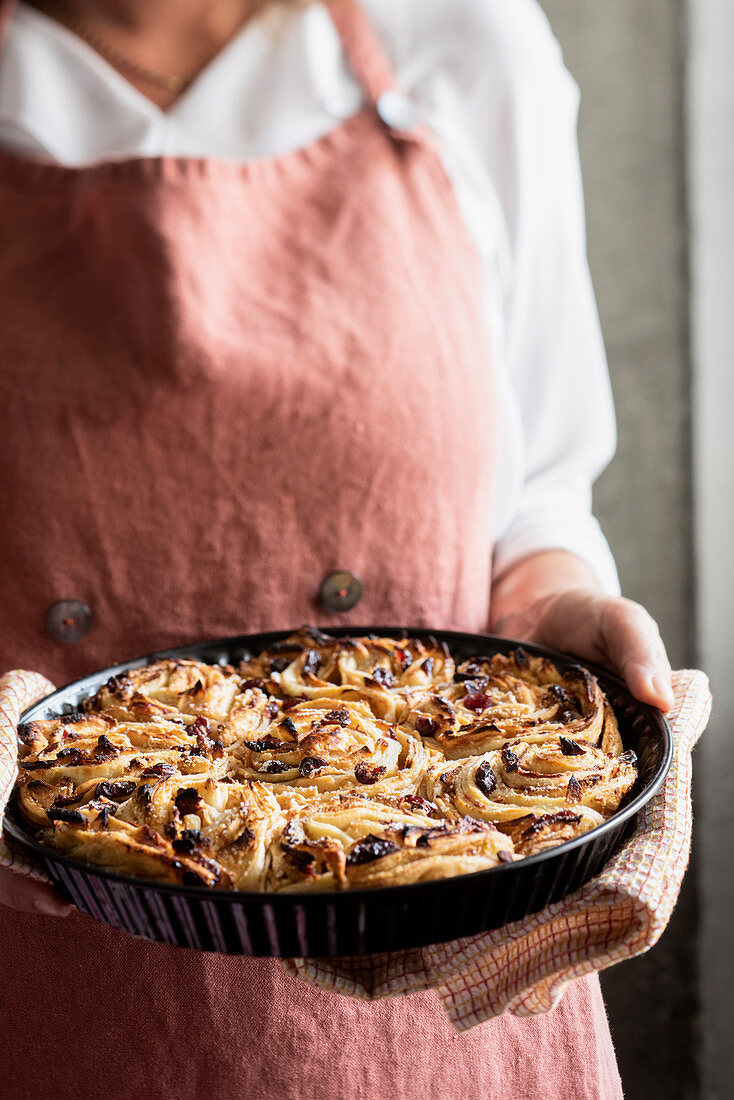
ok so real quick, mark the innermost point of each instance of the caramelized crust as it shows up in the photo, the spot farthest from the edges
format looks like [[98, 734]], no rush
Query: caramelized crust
[[325, 763]]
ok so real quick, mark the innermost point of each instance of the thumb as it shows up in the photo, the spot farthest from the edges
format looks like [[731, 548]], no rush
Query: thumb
[[632, 642]]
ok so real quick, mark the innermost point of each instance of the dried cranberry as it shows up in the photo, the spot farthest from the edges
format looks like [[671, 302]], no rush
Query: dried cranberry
[[477, 701], [272, 708], [405, 658], [103, 817], [273, 767], [72, 757], [505, 857], [119, 789], [428, 666], [426, 726], [34, 765], [485, 778], [61, 800], [244, 840], [340, 717], [289, 725], [299, 856], [61, 813], [369, 773], [158, 771], [311, 662], [280, 663], [268, 744], [105, 750], [509, 759], [383, 677], [569, 747], [419, 805], [371, 847], [310, 765], [190, 839], [188, 801]]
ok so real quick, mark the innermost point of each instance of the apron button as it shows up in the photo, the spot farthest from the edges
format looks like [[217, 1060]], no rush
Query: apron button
[[397, 111], [68, 620], [340, 591]]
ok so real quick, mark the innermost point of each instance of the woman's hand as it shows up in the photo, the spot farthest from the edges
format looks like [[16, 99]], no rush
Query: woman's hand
[[19, 892], [552, 598]]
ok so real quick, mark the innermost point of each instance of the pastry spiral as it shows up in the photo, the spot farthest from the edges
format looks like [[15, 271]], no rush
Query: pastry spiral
[[320, 747], [377, 670], [168, 688], [498, 699], [325, 763], [352, 840], [529, 782]]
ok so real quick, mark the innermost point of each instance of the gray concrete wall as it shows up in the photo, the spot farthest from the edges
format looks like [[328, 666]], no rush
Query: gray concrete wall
[[710, 129], [627, 58]]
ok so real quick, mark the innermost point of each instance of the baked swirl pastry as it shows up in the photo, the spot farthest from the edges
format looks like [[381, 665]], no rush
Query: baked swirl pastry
[[532, 781], [318, 748], [325, 763], [168, 688], [351, 840], [498, 699], [378, 670]]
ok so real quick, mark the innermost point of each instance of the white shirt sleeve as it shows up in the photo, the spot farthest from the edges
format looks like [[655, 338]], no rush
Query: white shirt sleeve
[[553, 345], [520, 109]]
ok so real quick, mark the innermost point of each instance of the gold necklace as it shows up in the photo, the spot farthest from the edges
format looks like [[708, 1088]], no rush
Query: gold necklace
[[169, 82]]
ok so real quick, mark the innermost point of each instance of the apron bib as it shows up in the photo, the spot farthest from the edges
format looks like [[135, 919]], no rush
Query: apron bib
[[219, 385]]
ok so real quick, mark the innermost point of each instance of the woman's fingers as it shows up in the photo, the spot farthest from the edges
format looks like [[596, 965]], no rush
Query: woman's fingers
[[611, 631], [632, 641], [19, 892]]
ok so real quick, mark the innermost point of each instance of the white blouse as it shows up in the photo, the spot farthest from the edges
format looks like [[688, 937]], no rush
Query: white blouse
[[488, 77]]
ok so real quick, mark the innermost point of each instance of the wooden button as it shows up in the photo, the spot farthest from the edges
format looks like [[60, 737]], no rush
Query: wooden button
[[340, 591], [68, 620]]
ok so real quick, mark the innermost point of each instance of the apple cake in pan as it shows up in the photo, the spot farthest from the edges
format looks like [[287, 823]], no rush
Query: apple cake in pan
[[325, 763]]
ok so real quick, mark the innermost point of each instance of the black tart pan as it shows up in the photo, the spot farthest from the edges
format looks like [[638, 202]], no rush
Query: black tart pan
[[351, 922]]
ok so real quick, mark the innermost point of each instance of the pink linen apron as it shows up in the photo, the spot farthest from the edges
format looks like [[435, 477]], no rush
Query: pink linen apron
[[219, 383]]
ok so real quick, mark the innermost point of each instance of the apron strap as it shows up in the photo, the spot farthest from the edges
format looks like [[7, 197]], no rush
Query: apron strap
[[363, 49]]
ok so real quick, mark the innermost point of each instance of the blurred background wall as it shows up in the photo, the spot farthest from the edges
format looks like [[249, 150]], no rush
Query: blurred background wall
[[657, 148], [710, 162]]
